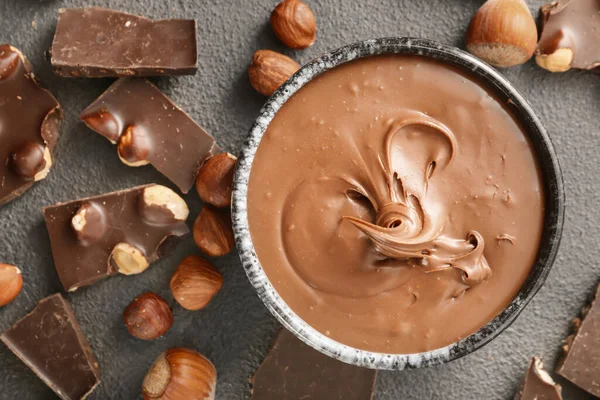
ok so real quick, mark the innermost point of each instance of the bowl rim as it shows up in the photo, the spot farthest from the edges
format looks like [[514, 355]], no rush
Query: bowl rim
[[533, 128]]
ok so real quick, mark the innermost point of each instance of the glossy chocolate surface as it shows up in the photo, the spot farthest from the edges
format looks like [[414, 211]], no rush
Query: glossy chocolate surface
[[162, 133], [581, 362], [111, 218], [50, 342], [29, 121], [97, 42]]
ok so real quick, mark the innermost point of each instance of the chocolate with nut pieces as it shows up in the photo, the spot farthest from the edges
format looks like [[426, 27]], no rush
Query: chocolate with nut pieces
[[96, 42], [50, 342], [150, 129], [569, 36], [581, 361], [120, 232], [29, 121], [293, 370]]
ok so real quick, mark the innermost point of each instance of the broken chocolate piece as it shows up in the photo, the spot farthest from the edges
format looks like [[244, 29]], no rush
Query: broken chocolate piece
[[538, 384], [29, 120], [150, 128], [581, 362], [570, 31], [292, 370], [50, 342], [97, 42], [120, 232]]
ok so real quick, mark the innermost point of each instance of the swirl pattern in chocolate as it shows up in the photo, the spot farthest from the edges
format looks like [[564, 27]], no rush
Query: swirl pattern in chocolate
[[377, 197]]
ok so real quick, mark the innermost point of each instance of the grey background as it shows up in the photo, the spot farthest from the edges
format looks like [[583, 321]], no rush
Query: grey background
[[235, 330]]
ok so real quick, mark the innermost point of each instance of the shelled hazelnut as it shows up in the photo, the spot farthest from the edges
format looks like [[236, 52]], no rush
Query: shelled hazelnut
[[195, 282], [294, 24], [213, 232], [269, 70], [215, 180], [11, 283], [148, 317]]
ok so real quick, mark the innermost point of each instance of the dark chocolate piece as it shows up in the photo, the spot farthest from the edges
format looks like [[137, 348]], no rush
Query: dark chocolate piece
[[581, 362], [538, 384], [572, 24], [51, 343], [96, 42], [119, 232], [29, 120], [150, 128], [292, 370]]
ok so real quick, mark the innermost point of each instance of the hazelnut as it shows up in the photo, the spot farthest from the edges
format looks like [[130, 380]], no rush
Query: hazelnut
[[160, 205], [213, 233], [269, 70], [11, 283], [215, 180], [180, 374], [134, 146], [128, 259], [104, 123], [89, 223], [148, 316], [502, 33], [195, 282], [294, 24], [32, 161], [559, 61]]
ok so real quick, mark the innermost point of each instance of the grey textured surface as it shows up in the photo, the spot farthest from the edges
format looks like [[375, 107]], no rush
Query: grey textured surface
[[235, 330]]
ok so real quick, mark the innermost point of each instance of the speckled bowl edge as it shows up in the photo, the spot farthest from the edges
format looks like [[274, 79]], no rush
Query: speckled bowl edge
[[552, 181]]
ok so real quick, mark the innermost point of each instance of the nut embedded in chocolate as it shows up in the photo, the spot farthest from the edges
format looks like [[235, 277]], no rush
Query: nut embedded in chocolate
[[128, 259], [105, 124], [134, 146], [32, 161], [160, 205], [89, 223]]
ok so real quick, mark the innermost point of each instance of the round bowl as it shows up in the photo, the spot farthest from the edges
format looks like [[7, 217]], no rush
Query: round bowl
[[552, 180]]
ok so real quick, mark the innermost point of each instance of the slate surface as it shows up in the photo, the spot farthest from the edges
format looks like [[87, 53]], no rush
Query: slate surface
[[235, 330]]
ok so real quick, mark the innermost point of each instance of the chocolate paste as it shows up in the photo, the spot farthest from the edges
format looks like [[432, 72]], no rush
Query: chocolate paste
[[29, 120], [395, 204]]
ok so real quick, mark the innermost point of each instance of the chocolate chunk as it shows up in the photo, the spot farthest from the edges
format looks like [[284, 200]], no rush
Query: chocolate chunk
[[572, 25], [150, 128], [51, 343], [538, 384], [292, 370], [29, 120], [97, 42], [581, 362], [120, 232]]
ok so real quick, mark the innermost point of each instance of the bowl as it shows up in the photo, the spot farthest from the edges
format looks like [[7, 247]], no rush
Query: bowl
[[552, 180]]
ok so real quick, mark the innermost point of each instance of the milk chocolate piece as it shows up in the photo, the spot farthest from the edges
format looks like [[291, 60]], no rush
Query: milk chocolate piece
[[538, 384], [112, 233], [29, 120], [292, 370], [581, 362], [150, 128], [51, 343], [97, 42], [572, 24]]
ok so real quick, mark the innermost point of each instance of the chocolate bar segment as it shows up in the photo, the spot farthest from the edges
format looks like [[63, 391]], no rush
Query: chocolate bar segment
[[29, 121], [581, 361], [98, 42], [120, 232], [150, 128], [293, 370], [573, 25], [51, 343], [538, 384]]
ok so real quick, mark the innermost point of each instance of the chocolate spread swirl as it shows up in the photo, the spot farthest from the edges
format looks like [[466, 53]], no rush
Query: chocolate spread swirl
[[403, 229], [376, 200]]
